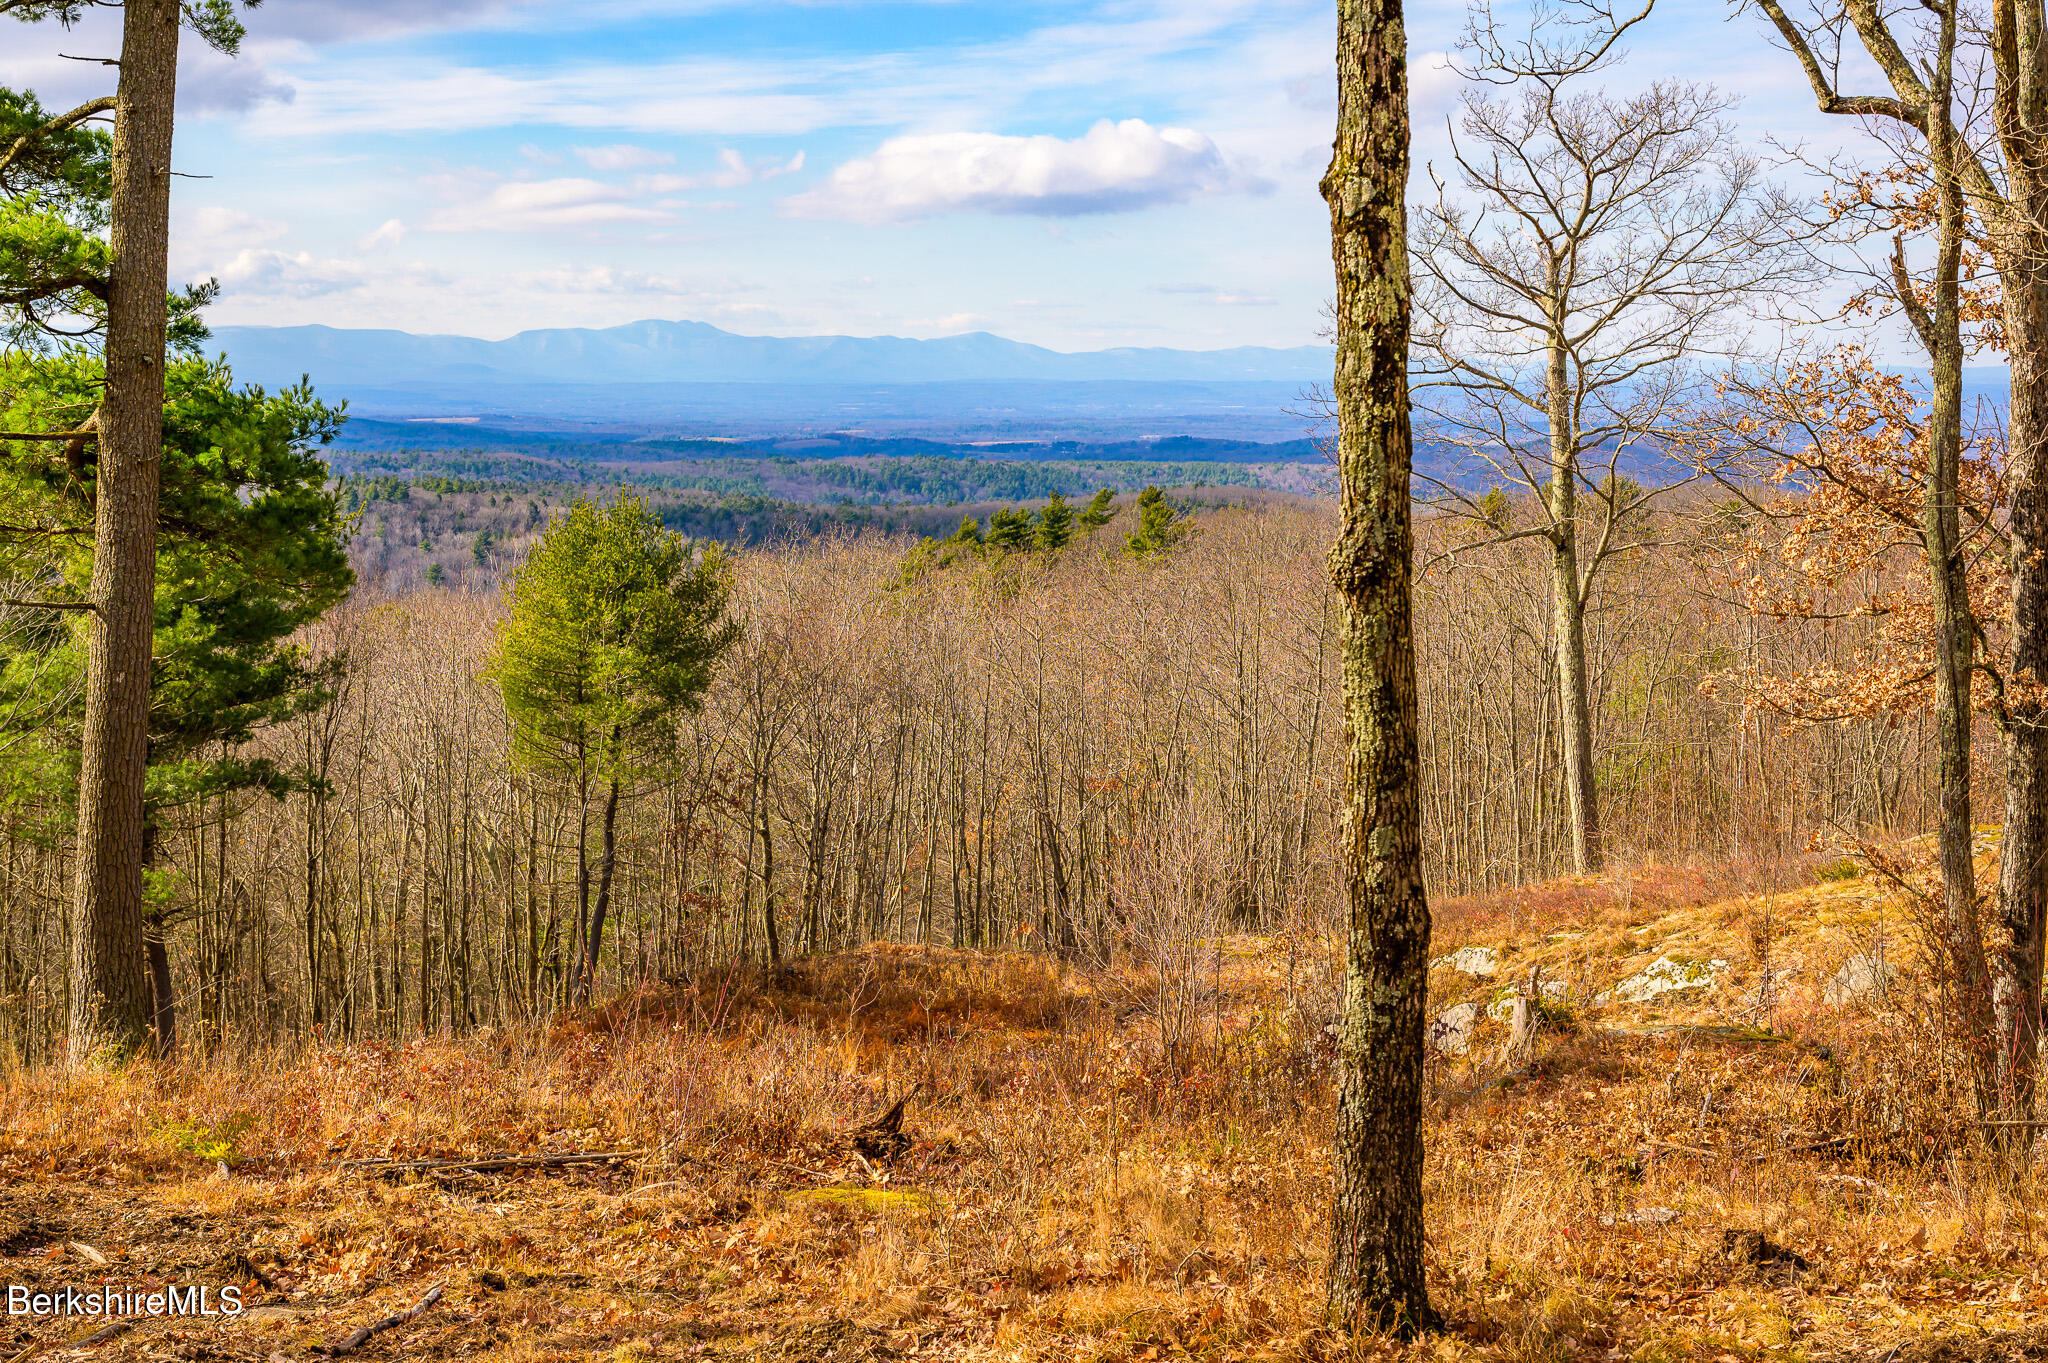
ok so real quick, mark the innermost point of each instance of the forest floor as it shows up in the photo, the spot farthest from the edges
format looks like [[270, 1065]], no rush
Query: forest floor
[[1095, 1164]]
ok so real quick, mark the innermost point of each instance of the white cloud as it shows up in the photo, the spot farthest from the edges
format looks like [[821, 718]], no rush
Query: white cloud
[[544, 205], [280, 274], [623, 156], [1112, 168], [734, 171], [203, 237], [390, 234], [215, 223]]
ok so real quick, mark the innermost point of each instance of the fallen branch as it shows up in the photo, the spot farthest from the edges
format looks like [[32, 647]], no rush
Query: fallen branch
[[99, 1336], [102, 1335], [388, 1166], [1832, 1144], [362, 1336], [1676, 1148]]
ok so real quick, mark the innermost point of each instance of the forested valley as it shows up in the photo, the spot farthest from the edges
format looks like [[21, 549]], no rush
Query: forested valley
[[1087, 751]]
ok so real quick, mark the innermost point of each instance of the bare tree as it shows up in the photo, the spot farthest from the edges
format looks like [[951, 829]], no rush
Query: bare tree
[[1376, 1277], [2003, 175], [1583, 255]]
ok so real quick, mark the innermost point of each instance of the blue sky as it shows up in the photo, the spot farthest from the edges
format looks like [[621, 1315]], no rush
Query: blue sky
[[1076, 174]]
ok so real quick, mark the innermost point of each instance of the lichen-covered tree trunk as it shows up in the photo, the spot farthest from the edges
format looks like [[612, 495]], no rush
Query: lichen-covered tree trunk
[[2023, 870], [2020, 248], [110, 1001], [1376, 1273]]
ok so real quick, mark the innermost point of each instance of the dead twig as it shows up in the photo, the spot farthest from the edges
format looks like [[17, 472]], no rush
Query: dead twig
[[102, 1335], [99, 1336], [387, 1166], [362, 1336]]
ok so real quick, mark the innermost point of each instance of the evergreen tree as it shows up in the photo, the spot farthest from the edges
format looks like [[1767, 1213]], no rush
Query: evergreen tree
[[613, 630], [1497, 513], [125, 284], [1099, 510], [1055, 523], [1159, 526], [969, 533], [1010, 529], [252, 546]]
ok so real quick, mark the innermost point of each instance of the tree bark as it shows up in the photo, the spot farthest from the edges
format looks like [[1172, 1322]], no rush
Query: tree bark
[[1376, 1272], [1940, 328], [109, 986], [2023, 862], [1569, 605], [607, 858], [156, 933], [769, 926], [2022, 116]]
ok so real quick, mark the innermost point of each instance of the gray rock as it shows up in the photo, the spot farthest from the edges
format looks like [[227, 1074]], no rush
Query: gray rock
[[1665, 975], [1470, 960], [1863, 976], [1451, 1033]]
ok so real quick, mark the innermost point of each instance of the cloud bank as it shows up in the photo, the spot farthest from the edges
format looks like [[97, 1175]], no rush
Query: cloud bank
[[1112, 168]]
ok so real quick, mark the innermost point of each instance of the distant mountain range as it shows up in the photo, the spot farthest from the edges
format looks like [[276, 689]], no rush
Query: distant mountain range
[[694, 352]]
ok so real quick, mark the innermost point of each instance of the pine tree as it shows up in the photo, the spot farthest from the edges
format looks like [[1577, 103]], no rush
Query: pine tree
[[1159, 526], [1497, 513], [969, 533], [122, 292], [1055, 523], [1010, 529], [251, 547], [613, 630], [1099, 510]]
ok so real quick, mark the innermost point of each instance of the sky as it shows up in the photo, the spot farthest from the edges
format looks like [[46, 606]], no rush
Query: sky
[[1075, 173]]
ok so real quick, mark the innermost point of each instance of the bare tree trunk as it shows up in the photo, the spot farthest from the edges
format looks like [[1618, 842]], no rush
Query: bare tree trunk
[[769, 926], [2023, 867], [109, 987], [1569, 604], [1940, 329], [607, 858], [578, 949], [1376, 1273]]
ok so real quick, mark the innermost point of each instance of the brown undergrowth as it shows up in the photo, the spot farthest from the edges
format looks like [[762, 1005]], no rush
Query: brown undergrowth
[[1069, 1190]]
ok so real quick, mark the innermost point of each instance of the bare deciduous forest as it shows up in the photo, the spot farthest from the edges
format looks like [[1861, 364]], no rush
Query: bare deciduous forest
[[1088, 755]]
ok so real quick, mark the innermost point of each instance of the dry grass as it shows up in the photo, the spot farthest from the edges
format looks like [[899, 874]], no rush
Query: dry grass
[[1072, 1192]]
